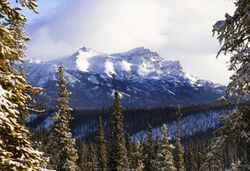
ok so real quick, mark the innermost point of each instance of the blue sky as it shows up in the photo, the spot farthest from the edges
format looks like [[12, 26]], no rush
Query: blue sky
[[176, 29]]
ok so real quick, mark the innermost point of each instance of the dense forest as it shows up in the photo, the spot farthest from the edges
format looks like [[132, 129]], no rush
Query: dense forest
[[98, 124], [85, 122], [110, 140]]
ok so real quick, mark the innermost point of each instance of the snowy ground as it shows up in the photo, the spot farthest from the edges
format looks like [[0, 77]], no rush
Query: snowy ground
[[190, 125], [199, 122]]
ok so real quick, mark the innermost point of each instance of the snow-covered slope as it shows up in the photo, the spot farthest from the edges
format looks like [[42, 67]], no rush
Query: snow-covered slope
[[190, 125], [139, 63], [196, 122], [143, 77]]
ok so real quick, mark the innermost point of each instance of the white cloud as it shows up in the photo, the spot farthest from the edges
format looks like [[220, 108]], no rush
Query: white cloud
[[177, 29]]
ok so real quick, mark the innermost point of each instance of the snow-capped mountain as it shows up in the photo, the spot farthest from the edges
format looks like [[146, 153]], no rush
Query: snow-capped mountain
[[143, 77]]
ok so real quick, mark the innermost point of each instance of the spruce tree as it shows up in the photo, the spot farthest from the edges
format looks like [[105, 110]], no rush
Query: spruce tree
[[16, 151], [165, 161], [101, 147], [117, 149], [149, 155], [129, 147], [61, 146], [136, 162], [91, 158], [179, 151], [233, 34], [190, 162], [83, 153]]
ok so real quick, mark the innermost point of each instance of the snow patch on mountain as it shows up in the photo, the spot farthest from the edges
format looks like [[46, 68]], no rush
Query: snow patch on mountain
[[125, 66], [93, 79], [109, 68], [34, 60], [81, 59]]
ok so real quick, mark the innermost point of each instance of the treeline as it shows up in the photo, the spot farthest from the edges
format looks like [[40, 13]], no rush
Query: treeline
[[85, 122], [136, 120]]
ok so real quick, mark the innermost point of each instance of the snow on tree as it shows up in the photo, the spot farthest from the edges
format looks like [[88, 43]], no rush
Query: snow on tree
[[101, 147], [117, 150], [149, 155], [234, 35], [190, 160], [165, 161], [61, 146], [137, 163], [16, 151], [237, 166], [129, 147], [178, 151]]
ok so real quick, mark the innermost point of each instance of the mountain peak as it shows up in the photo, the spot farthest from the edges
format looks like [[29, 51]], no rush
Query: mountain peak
[[84, 49], [138, 63], [139, 52]]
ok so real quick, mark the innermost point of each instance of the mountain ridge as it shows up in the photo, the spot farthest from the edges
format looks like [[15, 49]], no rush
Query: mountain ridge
[[142, 76]]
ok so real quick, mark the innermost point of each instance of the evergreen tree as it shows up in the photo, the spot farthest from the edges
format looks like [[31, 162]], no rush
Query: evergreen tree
[[233, 34], [149, 155], [178, 151], [165, 161], [117, 153], [61, 147], [136, 162], [199, 153], [178, 155], [16, 152], [91, 158], [101, 147], [82, 150], [129, 147], [190, 162]]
